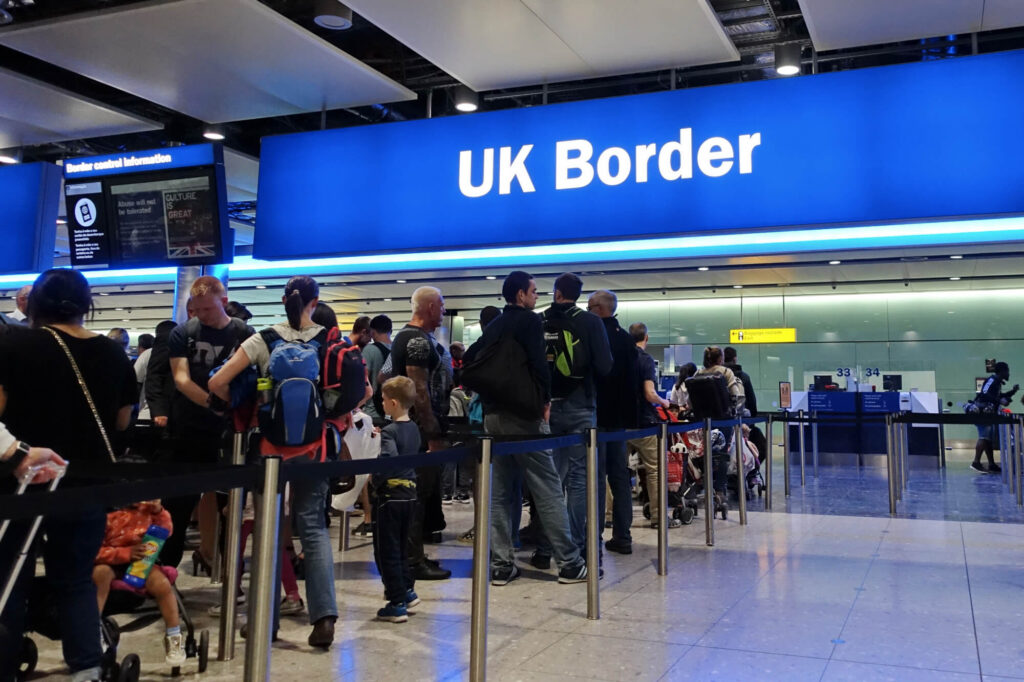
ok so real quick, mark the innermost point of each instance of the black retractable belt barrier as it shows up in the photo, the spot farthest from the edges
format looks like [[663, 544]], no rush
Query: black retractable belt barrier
[[628, 434]]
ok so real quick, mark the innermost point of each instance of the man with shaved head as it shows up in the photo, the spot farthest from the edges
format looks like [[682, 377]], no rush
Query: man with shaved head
[[21, 301], [416, 354]]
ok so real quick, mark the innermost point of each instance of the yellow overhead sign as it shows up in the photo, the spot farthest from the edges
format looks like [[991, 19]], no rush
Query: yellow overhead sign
[[776, 335]]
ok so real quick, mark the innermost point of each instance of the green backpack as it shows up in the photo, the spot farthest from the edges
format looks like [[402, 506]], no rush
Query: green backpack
[[565, 351]]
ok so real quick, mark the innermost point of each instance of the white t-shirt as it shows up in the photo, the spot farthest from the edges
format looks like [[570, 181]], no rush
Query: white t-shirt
[[257, 351]]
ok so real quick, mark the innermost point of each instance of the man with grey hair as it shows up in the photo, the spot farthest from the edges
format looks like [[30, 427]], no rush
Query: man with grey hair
[[416, 354], [617, 401], [20, 313]]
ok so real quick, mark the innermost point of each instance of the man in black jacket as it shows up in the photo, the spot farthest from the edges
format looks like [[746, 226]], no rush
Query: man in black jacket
[[617, 398], [757, 436], [573, 396], [518, 322], [990, 398]]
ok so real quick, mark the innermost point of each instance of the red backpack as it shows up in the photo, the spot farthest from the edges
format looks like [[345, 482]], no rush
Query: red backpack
[[344, 376]]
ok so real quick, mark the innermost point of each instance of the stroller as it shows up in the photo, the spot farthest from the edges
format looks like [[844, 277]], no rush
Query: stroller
[[751, 467], [679, 507], [692, 448]]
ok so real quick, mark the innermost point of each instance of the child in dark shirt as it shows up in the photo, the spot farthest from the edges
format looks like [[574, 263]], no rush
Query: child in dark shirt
[[395, 499]]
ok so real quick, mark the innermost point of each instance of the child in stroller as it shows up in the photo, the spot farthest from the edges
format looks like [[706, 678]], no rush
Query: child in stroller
[[122, 544], [692, 445], [751, 465]]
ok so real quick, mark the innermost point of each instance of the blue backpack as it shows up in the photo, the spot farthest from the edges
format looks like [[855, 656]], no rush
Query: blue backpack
[[294, 415]]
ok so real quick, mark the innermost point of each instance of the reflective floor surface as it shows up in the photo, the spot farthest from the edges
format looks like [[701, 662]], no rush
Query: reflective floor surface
[[788, 597]]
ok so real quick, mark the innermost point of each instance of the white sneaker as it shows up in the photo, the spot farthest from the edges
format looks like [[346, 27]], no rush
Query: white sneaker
[[175, 649]]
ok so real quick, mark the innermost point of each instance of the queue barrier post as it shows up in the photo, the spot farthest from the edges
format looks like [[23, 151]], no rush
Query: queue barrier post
[[1005, 446], [593, 529], [898, 461], [785, 454], [232, 551], [905, 454], [890, 469], [814, 442], [768, 465], [803, 451], [741, 479], [661, 513], [481, 565], [709, 488], [1020, 461], [263, 580], [1014, 453]]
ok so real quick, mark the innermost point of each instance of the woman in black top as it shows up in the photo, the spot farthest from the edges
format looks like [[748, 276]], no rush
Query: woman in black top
[[42, 401]]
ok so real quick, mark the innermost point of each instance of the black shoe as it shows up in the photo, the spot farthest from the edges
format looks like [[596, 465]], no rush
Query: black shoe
[[505, 575], [573, 574], [434, 538], [244, 632], [541, 561], [977, 467], [463, 498], [994, 468], [426, 571], [446, 499], [323, 633], [619, 546], [363, 530]]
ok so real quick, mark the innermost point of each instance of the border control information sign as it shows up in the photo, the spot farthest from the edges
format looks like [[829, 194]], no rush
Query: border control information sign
[[785, 395], [667, 163]]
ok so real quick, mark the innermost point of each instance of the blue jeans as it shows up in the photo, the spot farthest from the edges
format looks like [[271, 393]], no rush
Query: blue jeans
[[538, 471], [68, 554], [571, 464], [613, 457], [309, 498]]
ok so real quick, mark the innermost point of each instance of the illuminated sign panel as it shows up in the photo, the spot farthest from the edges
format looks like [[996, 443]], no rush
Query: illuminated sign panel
[[826, 151], [768, 335]]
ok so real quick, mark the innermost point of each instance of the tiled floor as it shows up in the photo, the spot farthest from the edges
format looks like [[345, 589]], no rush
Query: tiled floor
[[789, 597]]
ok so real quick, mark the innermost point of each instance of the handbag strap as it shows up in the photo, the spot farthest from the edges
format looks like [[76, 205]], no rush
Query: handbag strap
[[85, 391]]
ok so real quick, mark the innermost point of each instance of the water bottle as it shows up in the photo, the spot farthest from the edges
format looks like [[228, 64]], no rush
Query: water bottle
[[265, 390], [152, 542]]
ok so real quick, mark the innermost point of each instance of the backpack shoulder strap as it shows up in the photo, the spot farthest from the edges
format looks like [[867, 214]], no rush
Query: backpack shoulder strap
[[271, 338]]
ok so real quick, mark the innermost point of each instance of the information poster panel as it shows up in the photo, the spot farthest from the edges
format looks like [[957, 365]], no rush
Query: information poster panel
[[87, 224], [785, 395]]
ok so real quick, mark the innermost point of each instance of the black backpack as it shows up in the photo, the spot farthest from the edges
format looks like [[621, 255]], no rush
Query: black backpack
[[709, 397], [564, 348], [501, 374]]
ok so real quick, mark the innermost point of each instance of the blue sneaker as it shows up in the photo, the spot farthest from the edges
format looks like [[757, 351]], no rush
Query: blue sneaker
[[394, 613], [412, 600]]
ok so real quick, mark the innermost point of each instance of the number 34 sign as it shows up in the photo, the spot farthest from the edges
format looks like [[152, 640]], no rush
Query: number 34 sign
[[848, 372]]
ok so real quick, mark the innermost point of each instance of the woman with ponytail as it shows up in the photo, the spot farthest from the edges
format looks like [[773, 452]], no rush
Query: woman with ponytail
[[308, 498], [68, 389]]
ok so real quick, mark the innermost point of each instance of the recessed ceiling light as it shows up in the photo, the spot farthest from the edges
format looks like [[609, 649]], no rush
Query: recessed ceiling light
[[400, 281], [213, 134], [261, 286], [956, 257], [118, 308], [103, 293], [834, 262], [158, 292], [61, 221], [491, 277], [466, 100], [954, 279], [703, 268], [387, 300], [332, 15], [737, 286], [126, 320]]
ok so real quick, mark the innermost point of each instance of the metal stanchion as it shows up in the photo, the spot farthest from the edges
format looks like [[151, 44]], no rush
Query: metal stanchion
[[263, 579], [216, 565], [709, 488], [232, 559], [1004, 448], [741, 479], [890, 469], [481, 565], [785, 454], [663, 500], [1012, 460], [768, 465], [897, 466], [593, 529], [942, 445], [905, 454], [803, 452], [1020, 462], [814, 442]]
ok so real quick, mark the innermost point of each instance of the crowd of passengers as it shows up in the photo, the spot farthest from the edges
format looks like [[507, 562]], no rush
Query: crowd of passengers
[[69, 395]]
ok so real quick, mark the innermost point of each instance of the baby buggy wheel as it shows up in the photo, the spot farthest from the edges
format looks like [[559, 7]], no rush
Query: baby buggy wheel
[[28, 658], [685, 514], [131, 668], [204, 650]]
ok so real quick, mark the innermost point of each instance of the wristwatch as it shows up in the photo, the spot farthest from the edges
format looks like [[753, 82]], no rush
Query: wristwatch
[[20, 453]]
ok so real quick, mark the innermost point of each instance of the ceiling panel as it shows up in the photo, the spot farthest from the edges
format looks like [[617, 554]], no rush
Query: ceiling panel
[[242, 173], [835, 25], [491, 44], [1002, 14], [33, 112], [215, 60]]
